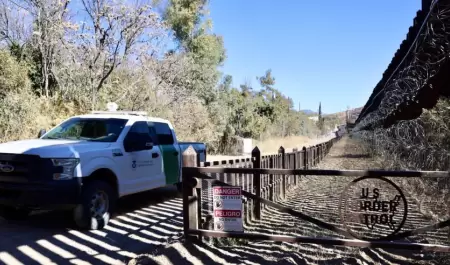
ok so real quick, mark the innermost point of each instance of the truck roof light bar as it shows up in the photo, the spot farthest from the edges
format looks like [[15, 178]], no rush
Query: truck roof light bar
[[137, 113]]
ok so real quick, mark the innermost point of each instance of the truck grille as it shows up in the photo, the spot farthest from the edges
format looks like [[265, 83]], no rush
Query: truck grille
[[23, 166], [18, 168]]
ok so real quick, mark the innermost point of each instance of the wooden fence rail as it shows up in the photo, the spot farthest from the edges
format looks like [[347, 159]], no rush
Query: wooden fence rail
[[194, 231], [268, 186]]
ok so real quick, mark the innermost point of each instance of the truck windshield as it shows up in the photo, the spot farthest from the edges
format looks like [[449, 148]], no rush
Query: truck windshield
[[101, 130]]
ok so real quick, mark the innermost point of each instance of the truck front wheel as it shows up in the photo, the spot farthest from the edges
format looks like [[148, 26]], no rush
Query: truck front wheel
[[97, 205]]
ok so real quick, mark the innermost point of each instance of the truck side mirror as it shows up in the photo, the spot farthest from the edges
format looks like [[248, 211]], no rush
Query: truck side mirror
[[41, 132]]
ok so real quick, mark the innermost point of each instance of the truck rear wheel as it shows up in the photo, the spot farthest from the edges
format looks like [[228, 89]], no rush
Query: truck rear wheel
[[97, 205]]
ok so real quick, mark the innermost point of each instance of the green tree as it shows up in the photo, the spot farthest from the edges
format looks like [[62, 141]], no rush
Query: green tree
[[320, 120], [184, 16], [267, 82], [205, 52], [192, 33]]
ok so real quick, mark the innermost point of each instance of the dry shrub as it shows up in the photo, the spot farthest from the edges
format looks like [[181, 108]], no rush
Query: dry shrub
[[23, 114], [272, 145], [152, 88], [17, 116], [191, 121], [13, 75]]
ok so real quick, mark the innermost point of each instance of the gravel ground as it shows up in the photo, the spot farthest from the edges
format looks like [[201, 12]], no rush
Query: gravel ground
[[317, 197]]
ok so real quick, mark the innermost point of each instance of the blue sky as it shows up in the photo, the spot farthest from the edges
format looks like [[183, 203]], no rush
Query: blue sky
[[329, 51]]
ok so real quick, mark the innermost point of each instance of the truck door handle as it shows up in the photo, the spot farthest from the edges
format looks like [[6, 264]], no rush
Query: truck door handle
[[155, 155], [175, 153]]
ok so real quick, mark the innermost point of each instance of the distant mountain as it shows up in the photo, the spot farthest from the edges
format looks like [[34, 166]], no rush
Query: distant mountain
[[353, 113], [308, 111]]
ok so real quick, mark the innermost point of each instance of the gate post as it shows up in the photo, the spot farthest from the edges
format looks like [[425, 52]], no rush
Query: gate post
[[271, 180], [317, 155], [283, 177], [256, 156], [321, 152], [191, 195], [314, 154], [305, 158], [324, 153], [293, 166]]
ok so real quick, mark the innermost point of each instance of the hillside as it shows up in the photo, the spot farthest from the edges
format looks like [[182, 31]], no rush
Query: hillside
[[353, 114], [337, 117], [308, 111]]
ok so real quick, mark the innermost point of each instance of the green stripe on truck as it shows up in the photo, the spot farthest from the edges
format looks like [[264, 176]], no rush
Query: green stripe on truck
[[170, 162]]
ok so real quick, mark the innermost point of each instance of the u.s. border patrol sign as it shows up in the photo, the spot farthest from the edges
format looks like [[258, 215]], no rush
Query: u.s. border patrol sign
[[373, 208], [227, 207]]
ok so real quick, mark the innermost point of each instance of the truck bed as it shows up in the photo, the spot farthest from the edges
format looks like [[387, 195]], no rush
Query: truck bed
[[199, 147]]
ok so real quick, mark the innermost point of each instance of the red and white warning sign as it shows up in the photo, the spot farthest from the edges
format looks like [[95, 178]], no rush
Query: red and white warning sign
[[227, 208]]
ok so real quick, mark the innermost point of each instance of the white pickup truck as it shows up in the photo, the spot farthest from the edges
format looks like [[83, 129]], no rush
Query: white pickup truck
[[87, 162]]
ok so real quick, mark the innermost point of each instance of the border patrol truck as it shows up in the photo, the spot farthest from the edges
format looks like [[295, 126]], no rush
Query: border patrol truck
[[88, 162]]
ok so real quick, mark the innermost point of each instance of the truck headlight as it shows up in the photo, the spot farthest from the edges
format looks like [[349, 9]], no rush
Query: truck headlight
[[68, 165]]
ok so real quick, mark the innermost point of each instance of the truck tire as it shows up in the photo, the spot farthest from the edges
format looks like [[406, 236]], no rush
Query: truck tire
[[14, 213], [97, 204]]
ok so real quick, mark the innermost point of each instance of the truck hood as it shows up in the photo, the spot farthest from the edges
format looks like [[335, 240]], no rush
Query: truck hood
[[51, 148]]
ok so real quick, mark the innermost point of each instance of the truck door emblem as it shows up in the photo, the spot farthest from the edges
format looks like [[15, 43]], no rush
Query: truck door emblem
[[133, 165], [6, 168]]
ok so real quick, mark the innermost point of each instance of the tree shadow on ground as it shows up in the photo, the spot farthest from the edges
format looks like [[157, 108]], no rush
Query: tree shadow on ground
[[142, 223]]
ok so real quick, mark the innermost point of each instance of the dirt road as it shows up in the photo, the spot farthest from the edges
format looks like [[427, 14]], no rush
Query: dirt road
[[318, 197], [148, 221]]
